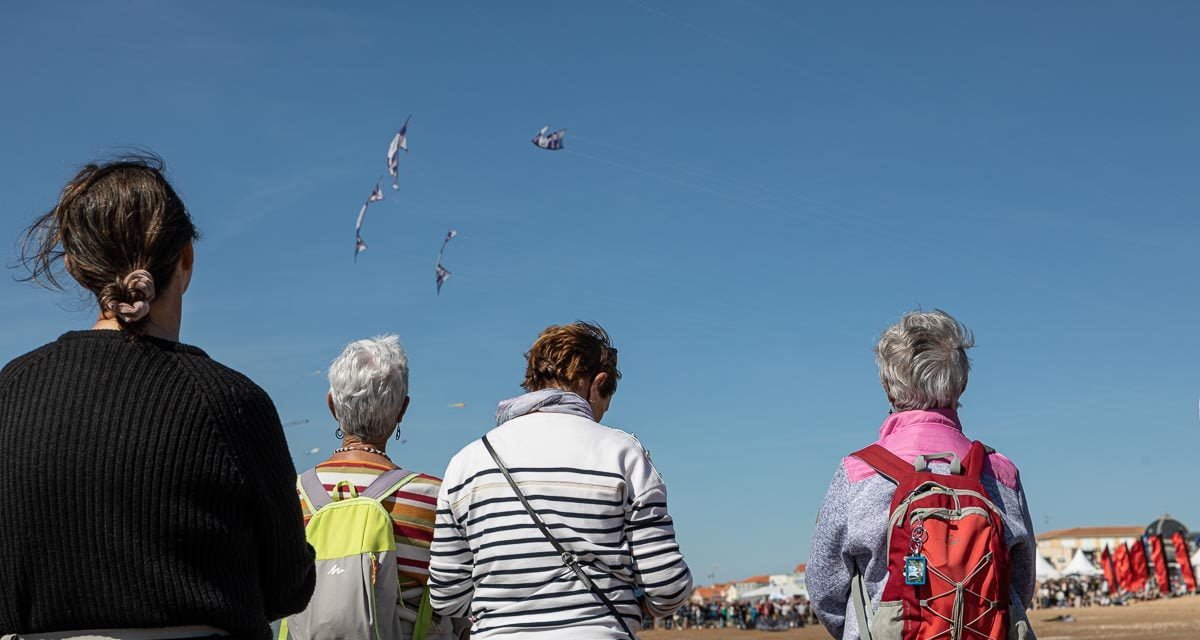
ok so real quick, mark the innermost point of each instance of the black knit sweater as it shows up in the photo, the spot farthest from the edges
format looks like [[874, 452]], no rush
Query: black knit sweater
[[142, 484]]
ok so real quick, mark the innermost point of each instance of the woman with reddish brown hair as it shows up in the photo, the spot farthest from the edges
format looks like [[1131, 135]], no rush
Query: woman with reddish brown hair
[[553, 524], [159, 496]]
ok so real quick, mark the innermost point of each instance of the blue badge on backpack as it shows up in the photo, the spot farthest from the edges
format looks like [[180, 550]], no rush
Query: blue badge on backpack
[[915, 573]]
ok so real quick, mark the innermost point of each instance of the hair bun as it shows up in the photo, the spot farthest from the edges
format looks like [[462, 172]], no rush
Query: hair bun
[[136, 294]]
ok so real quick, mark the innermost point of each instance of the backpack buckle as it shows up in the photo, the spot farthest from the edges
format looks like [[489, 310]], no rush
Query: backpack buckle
[[568, 558]]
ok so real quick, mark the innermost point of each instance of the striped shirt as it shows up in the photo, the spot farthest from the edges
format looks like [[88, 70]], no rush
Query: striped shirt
[[412, 509], [599, 494]]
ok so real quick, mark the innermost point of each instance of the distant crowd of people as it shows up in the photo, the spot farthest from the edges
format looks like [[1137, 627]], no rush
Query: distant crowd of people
[[1074, 592], [767, 615]]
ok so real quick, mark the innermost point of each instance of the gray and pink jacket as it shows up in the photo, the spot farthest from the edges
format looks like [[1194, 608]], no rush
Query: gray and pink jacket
[[851, 529]]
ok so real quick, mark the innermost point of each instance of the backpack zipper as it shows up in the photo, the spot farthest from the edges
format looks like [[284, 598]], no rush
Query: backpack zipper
[[933, 488], [954, 514]]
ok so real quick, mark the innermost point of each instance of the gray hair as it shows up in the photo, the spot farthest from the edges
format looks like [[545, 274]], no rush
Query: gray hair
[[368, 383], [923, 361]]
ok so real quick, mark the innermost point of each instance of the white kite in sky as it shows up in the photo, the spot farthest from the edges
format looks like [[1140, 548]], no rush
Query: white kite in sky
[[399, 143], [376, 196], [359, 245], [549, 141], [441, 272]]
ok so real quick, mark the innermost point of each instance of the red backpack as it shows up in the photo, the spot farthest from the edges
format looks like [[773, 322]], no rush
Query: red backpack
[[948, 574]]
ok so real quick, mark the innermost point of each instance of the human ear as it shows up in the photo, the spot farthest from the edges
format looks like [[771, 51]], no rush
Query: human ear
[[597, 384], [183, 272]]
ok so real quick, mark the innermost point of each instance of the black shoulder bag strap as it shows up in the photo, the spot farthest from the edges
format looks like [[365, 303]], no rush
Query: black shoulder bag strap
[[568, 558]]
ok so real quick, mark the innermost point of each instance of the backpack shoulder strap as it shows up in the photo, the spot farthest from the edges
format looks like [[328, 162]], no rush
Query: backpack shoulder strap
[[862, 604], [387, 483], [885, 463], [314, 490], [976, 460], [424, 617]]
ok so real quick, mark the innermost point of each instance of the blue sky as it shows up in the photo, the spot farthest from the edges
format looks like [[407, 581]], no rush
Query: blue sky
[[752, 191]]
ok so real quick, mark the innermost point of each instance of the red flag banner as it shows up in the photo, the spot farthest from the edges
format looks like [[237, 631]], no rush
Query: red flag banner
[[1110, 571], [1160, 564], [1124, 573], [1140, 566], [1185, 563]]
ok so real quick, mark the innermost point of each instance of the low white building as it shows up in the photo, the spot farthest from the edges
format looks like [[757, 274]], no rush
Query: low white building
[[787, 584], [1059, 546]]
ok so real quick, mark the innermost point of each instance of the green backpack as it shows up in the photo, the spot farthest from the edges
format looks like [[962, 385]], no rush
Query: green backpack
[[357, 583]]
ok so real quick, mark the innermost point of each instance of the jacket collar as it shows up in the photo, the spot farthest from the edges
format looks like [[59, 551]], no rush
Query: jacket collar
[[919, 419], [544, 401]]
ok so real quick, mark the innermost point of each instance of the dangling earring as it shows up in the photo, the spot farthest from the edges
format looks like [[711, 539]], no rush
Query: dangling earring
[[397, 434], [339, 433]]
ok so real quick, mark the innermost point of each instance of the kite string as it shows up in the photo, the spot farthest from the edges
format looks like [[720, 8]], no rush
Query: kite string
[[445, 242], [830, 220], [676, 180], [714, 175], [774, 201]]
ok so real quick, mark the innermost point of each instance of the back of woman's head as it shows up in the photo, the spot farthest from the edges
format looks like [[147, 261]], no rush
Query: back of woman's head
[[368, 384], [565, 356], [923, 361], [120, 230]]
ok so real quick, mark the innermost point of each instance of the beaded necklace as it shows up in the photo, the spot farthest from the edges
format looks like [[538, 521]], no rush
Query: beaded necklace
[[365, 449]]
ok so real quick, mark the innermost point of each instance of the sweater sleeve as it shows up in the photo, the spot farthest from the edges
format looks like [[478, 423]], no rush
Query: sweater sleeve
[[287, 574], [1022, 555], [451, 561], [661, 570], [828, 573]]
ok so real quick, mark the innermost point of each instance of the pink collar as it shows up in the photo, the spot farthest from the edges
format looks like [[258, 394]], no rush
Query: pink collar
[[911, 433], [921, 418]]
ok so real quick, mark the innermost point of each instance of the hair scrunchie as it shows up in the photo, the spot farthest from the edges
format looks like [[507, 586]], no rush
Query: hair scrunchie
[[139, 287]]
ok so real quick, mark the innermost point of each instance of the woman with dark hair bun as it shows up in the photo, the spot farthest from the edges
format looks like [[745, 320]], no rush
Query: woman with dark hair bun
[[148, 489]]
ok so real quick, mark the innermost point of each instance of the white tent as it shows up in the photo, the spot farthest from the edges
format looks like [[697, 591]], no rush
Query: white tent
[[775, 592], [1044, 571], [761, 592], [1081, 566], [1196, 560], [791, 590]]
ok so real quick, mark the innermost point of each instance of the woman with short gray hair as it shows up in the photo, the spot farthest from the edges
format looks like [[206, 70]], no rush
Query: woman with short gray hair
[[923, 361], [368, 396], [923, 366], [368, 391]]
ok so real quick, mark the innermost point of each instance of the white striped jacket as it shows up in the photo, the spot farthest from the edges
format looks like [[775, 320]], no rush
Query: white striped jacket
[[597, 491]]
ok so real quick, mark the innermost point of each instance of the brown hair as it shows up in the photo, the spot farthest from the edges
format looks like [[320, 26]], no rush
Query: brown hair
[[566, 355], [112, 218]]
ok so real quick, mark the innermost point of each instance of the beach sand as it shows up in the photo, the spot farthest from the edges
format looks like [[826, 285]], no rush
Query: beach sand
[[1175, 619]]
